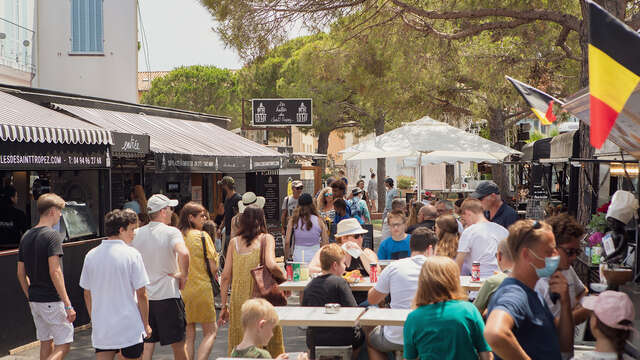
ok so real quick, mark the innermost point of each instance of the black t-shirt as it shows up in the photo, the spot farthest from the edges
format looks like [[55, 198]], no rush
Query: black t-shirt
[[230, 210], [218, 220], [36, 246], [427, 223], [326, 289], [13, 223]]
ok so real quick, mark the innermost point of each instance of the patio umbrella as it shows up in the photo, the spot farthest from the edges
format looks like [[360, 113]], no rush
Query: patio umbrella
[[433, 139]]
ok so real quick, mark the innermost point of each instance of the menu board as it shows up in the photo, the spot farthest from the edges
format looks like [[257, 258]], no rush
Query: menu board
[[78, 221], [272, 198]]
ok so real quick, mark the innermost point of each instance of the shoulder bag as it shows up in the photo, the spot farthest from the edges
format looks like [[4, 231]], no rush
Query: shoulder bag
[[215, 286], [265, 285]]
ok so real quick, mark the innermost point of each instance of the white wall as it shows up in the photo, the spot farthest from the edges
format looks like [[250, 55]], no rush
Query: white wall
[[112, 75]]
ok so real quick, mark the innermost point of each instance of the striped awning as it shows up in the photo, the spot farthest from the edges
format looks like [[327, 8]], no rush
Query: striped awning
[[24, 121]]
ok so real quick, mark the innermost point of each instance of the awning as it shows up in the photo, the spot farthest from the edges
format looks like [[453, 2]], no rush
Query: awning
[[537, 150], [26, 122], [565, 146], [186, 145], [626, 131]]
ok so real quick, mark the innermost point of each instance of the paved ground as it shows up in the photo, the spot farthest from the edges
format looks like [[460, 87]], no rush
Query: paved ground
[[294, 340]]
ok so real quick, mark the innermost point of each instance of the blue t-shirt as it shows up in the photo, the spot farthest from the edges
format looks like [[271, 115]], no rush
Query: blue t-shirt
[[446, 330], [393, 250], [533, 322]]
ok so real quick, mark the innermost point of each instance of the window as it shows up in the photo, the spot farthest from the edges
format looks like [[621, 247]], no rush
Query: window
[[86, 27]]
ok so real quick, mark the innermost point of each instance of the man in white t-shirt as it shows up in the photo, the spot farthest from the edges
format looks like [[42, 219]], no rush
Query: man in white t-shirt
[[113, 277], [568, 233], [400, 280], [479, 241], [166, 259]]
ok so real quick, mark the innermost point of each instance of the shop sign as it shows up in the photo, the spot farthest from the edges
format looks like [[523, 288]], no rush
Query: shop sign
[[265, 163], [281, 112], [61, 160], [130, 143], [234, 164], [173, 163]]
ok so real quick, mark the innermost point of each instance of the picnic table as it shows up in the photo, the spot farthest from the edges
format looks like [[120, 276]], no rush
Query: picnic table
[[469, 285], [316, 316], [363, 285], [381, 316]]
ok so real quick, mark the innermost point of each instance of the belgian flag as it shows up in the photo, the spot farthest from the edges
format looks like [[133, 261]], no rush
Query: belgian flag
[[614, 70], [540, 103]]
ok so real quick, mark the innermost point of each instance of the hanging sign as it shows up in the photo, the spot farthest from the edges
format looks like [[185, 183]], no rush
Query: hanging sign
[[281, 112]]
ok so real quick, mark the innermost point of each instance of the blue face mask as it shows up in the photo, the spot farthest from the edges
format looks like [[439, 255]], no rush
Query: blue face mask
[[550, 265]]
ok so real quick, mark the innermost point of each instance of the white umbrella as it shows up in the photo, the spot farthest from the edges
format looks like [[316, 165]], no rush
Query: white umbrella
[[433, 138]]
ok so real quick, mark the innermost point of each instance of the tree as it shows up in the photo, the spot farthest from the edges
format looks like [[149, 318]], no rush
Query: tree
[[205, 89]]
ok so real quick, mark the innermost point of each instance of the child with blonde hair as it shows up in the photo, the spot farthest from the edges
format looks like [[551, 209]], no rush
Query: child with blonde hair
[[258, 319]]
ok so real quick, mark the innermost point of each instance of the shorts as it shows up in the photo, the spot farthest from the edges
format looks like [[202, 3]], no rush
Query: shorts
[[51, 322], [130, 352], [167, 321], [380, 343]]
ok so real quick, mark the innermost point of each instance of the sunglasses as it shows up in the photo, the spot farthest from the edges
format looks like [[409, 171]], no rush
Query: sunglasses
[[571, 252], [357, 236], [328, 194], [299, 187]]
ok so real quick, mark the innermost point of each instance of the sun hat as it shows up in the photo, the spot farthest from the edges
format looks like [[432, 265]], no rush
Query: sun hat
[[250, 198], [349, 226], [611, 307], [296, 183], [305, 199], [158, 202], [356, 191], [485, 188]]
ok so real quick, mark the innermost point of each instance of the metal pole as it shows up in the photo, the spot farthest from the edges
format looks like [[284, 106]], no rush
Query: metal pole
[[419, 198]]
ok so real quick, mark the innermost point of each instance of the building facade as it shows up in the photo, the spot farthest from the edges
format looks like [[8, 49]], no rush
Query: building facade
[[88, 47], [16, 42]]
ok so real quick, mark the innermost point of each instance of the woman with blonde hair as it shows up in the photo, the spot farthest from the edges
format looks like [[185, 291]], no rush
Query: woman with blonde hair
[[324, 203], [444, 325], [198, 292], [448, 236]]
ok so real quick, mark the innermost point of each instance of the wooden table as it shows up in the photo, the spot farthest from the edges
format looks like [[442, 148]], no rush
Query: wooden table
[[316, 316], [363, 285], [469, 285], [379, 316]]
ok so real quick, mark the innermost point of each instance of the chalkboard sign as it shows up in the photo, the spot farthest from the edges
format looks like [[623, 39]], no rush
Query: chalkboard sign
[[367, 239], [78, 221], [278, 112], [272, 199]]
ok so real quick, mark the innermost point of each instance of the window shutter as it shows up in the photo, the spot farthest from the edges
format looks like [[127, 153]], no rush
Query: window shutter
[[86, 26]]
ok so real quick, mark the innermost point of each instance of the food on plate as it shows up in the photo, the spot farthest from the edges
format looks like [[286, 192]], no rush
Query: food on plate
[[352, 276]]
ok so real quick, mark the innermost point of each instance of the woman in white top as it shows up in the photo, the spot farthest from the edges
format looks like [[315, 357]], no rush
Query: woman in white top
[[306, 231]]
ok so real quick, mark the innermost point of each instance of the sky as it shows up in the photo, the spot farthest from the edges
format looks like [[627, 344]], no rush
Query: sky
[[179, 33]]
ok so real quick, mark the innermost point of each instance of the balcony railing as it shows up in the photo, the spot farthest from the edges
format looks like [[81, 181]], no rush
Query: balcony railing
[[16, 46]]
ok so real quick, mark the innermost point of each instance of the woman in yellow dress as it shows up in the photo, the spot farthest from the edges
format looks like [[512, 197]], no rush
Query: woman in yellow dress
[[198, 293], [243, 255]]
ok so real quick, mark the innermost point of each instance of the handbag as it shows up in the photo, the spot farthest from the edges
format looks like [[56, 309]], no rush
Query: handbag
[[265, 285], [215, 286]]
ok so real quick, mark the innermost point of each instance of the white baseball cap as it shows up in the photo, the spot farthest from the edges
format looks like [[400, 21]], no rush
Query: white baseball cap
[[158, 202]]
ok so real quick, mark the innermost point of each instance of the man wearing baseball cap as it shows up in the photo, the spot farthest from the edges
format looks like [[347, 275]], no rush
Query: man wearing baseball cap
[[611, 324], [290, 203], [230, 206], [166, 259], [495, 209]]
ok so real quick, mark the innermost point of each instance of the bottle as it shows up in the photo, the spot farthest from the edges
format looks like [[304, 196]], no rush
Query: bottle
[[596, 252], [289, 272]]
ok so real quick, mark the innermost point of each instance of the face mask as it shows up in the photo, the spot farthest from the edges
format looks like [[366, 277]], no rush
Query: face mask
[[550, 265], [355, 253]]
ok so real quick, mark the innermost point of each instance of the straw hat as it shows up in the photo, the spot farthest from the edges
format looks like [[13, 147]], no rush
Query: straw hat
[[349, 226], [250, 198]]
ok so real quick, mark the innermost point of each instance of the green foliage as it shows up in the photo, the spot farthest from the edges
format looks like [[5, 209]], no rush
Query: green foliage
[[205, 89], [405, 182], [598, 222]]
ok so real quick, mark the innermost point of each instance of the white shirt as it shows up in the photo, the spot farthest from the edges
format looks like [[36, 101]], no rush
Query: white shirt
[[400, 279], [481, 242], [576, 287], [596, 355], [156, 242], [112, 272]]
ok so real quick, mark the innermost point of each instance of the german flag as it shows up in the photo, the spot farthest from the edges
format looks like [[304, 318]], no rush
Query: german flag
[[614, 70], [540, 103]]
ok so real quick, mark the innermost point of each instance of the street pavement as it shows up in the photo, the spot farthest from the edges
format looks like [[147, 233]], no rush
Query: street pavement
[[294, 340]]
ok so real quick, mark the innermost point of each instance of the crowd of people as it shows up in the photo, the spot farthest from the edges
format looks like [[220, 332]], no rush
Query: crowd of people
[[154, 282]]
